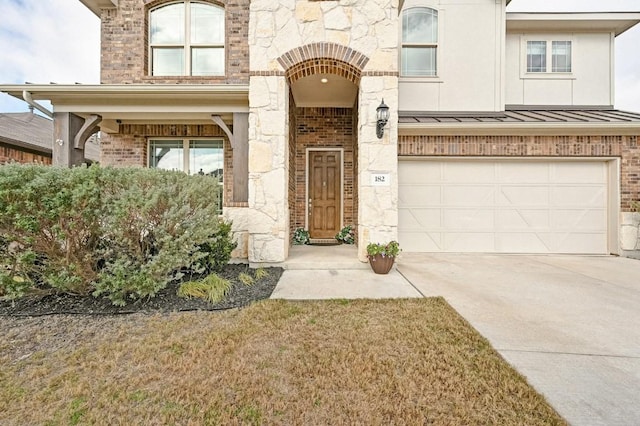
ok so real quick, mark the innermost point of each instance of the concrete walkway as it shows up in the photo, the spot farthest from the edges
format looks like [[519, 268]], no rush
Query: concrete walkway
[[301, 284], [570, 324]]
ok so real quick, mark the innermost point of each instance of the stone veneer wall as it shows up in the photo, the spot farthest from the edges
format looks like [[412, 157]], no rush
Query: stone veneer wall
[[125, 53], [323, 128], [285, 36], [10, 154], [291, 194], [624, 147]]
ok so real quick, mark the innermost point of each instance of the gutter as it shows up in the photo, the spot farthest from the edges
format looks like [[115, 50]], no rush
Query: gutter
[[26, 95]]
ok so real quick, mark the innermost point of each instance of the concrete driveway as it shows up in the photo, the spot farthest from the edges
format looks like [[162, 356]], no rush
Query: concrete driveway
[[570, 324]]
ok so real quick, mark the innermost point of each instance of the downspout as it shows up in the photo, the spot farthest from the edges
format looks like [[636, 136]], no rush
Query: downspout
[[26, 95]]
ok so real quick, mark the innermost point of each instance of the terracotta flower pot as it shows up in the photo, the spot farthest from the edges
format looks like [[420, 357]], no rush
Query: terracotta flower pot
[[381, 264]]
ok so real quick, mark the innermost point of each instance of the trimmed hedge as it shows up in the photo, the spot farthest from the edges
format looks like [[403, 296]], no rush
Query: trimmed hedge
[[120, 233]]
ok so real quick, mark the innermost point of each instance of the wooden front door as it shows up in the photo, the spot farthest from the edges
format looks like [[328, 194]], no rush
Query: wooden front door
[[325, 193]]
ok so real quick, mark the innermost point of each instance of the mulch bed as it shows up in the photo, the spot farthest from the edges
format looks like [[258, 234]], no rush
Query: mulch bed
[[239, 295]]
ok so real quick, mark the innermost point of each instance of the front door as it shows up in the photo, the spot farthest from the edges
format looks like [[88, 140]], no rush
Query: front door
[[324, 193]]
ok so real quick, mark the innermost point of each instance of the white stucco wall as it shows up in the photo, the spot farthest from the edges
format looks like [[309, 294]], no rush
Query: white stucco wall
[[470, 59], [589, 83]]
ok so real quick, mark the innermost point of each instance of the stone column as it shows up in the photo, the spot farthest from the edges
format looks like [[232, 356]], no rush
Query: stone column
[[268, 218], [377, 202]]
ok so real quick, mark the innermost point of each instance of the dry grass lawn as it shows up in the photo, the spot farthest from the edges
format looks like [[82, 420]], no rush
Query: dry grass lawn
[[276, 362]]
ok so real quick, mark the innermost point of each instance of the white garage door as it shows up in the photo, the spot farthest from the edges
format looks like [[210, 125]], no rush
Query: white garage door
[[503, 206]]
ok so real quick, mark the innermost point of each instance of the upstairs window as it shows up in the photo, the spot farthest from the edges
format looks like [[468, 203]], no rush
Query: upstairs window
[[187, 38], [419, 42], [539, 55]]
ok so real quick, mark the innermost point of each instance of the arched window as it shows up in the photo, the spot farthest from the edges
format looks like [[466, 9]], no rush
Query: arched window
[[186, 38], [419, 42]]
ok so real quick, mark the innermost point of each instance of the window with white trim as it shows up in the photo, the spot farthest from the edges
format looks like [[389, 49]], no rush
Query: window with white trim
[[192, 156], [419, 42], [187, 38], [539, 56]]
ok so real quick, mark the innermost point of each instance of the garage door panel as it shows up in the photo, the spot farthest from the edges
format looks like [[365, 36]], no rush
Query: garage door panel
[[582, 196], [579, 220], [580, 173], [509, 206], [418, 172], [470, 242], [468, 195], [523, 195], [416, 219], [532, 173], [519, 219], [421, 241], [460, 173], [468, 219], [419, 195]]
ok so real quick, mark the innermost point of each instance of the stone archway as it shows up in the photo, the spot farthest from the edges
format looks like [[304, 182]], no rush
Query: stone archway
[[324, 80], [323, 58]]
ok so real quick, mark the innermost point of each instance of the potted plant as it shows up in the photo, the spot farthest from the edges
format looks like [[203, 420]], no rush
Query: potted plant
[[300, 236], [346, 235], [382, 256]]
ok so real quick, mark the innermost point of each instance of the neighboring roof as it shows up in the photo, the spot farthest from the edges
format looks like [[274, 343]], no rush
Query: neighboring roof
[[33, 132], [547, 120], [26, 130], [96, 5], [617, 22]]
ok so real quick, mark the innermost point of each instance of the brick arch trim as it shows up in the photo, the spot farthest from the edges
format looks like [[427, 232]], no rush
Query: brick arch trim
[[150, 4], [323, 58]]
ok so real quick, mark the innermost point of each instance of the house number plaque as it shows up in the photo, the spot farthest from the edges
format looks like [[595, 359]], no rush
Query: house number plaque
[[380, 179]]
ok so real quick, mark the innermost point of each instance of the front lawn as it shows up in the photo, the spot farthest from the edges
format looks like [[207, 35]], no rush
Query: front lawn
[[275, 362]]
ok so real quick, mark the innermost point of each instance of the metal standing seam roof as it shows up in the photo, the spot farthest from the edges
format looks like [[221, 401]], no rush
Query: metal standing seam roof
[[528, 116]]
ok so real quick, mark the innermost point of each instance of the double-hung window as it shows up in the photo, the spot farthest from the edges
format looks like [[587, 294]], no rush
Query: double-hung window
[[419, 42], [192, 156], [187, 38], [542, 53]]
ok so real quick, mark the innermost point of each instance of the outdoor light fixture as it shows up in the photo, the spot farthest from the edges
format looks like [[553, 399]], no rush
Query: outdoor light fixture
[[60, 142], [382, 114]]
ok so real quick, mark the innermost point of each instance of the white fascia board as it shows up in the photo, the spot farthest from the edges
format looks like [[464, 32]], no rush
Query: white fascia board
[[96, 5], [49, 91], [539, 129], [616, 22]]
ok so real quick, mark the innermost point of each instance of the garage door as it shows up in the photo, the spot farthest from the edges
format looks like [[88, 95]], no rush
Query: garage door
[[503, 206]]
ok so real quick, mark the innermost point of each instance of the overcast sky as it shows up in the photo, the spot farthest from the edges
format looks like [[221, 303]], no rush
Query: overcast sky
[[44, 41]]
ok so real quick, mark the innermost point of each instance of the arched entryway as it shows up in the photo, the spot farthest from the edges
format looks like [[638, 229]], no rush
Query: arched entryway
[[324, 81]]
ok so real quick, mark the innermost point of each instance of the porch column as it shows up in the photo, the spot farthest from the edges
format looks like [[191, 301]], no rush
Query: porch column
[[70, 133], [268, 216], [377, 200]]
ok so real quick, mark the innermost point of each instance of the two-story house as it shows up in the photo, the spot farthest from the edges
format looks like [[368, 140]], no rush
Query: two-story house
[[501, 134]]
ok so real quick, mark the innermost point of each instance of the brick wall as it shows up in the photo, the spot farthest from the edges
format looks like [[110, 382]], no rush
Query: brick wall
[[124, 41], [323, 128], [130, 146], [11, 154], [625, 147]]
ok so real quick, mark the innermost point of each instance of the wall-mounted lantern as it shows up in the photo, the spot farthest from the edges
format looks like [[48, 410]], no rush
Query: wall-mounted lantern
[[382, 114]]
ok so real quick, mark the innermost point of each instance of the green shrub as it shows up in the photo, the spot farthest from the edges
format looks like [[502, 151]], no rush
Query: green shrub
[[216, 250], [119, 233]]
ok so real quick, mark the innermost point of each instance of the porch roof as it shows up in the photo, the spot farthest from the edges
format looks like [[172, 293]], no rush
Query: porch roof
[[140, 103], [548, 120]]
